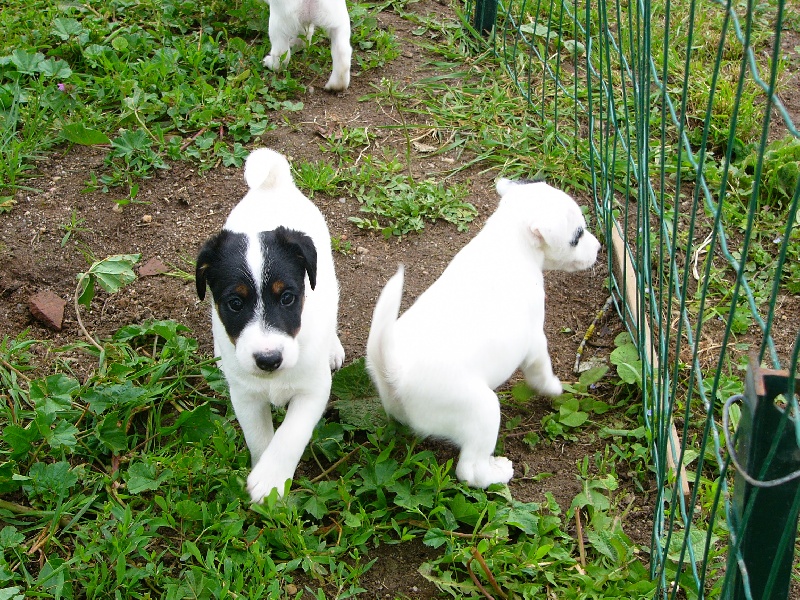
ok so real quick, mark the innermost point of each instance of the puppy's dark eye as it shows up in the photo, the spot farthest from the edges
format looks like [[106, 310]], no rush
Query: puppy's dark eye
[[287, 298], [235, 304]]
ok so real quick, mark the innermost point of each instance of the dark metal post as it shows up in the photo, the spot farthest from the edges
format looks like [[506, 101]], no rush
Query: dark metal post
[[765, 517], [485, 16]]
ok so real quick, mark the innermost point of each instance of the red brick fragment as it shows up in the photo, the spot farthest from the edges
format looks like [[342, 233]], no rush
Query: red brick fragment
[[154, 266], [47, 308]]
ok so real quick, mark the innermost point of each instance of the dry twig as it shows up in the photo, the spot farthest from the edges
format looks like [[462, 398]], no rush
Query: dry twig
[[579, 535], [477, 556]]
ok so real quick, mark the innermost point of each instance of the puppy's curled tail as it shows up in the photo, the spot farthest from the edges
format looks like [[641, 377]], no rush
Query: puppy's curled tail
[[503, 185], [266, 169], [380, 341]]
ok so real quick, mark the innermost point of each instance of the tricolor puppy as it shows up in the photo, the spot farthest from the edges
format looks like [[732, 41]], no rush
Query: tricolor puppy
[[437, 366], [275, 302], [288, 19]]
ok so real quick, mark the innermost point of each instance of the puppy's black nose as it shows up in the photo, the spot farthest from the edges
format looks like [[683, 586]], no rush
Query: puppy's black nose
[[268, 361]]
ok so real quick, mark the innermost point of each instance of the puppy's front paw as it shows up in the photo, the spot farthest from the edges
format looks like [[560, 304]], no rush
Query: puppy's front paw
[[272, 62], [261, 482], [338, 83], [337, 355]]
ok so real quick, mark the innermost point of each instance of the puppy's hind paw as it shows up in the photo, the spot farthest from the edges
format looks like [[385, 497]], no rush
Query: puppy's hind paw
[[483, 473], [551, 386]]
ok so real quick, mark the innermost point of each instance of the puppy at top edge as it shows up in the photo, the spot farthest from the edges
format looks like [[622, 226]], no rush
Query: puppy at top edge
[[436, 367], [288, 19], [274, 316]]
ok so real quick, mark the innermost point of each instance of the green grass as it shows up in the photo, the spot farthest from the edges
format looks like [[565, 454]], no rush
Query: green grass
[[131, 484]]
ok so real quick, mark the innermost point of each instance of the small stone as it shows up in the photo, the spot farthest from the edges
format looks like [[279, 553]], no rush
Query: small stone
[[362, 250], [152, 267], [290, 589], [47, 308], [147, 218]]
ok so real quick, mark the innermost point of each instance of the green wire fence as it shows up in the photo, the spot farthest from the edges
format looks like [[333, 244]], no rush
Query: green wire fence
[[694, 166]]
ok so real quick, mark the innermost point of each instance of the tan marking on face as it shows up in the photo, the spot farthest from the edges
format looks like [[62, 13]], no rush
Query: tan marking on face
[[242, 290], [216, 307], [278, 287]]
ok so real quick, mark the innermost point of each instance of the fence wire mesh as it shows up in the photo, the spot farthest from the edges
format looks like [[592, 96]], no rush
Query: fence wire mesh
[[676, 110]]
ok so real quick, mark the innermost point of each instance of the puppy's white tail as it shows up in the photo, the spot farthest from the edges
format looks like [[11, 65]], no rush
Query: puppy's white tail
[[503, 185], [380, 342], [266, 169]]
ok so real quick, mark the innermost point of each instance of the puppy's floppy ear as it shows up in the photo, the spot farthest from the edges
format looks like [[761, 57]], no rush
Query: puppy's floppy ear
[[302, 246], [538, 233], [544, 231], [209, 254]]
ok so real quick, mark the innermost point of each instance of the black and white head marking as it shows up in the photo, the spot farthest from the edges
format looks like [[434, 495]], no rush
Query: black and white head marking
[[263, 282]]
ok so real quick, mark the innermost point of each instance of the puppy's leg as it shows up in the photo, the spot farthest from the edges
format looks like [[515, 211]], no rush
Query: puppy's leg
[[479, 423], [254, 414], [341, 54], [538, 370], [279, 461], [280, 40]]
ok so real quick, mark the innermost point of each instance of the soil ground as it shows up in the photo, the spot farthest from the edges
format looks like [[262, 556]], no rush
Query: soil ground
[[180, 207]]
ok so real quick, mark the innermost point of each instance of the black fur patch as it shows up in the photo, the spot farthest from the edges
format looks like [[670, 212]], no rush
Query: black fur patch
[[278, 294], [288, 256], [576, 237], [222, 265]]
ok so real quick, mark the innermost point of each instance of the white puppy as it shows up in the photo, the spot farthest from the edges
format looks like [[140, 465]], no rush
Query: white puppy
[[288, 19], [275, 302], [437, 366]]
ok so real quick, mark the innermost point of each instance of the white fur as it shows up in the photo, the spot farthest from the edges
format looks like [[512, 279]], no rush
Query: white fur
[[437, 366], [288, 19], [304, 378]]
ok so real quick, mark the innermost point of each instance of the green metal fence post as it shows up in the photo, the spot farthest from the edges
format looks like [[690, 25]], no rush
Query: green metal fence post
[[764, 509], [485, 15]]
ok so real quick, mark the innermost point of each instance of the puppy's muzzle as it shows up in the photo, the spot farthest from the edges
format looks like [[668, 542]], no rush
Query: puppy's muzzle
[[268, 361]]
